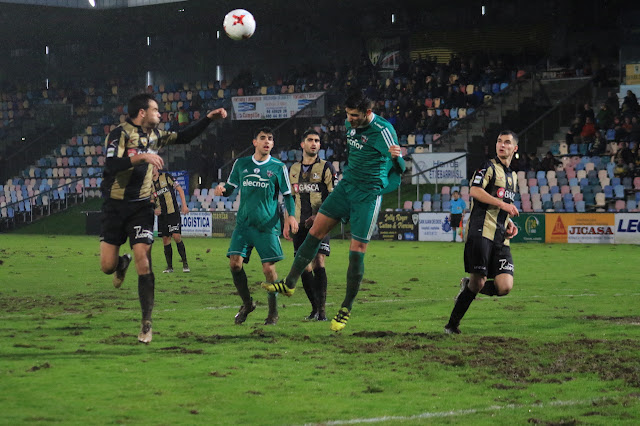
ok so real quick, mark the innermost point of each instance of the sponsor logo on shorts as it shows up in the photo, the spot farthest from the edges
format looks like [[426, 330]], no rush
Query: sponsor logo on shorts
[[174, 228], [505, 266], [143, 233]]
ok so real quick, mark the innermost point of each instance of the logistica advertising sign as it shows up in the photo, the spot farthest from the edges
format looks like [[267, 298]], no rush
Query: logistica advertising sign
[[196, 224], [580, 228], [530, 228]]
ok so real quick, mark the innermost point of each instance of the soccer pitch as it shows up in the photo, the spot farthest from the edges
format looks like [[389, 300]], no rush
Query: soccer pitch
[[562, 348]]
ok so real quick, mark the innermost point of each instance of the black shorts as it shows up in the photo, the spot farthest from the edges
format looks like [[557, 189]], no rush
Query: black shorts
[[299, 237], [127, 219], [482, 256], [455, 220], [169, 224]]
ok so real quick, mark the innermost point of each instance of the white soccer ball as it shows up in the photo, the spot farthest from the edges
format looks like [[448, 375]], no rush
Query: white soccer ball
[[239, 24]]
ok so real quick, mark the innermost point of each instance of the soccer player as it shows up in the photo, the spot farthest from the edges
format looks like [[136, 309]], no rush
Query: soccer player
[[169, 220], [126, 188], [458, 206], [312, 180], [375, 165], [487, 255], [260, 178]]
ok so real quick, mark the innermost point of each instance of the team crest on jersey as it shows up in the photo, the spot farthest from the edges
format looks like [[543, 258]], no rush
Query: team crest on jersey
[[364, 139], [352, 132], [316, 176], [509, 182], [269, 173], [256, 170]]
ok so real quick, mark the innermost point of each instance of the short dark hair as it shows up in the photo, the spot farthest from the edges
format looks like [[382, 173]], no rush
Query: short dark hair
[[509, 132], [138, 102], [310, 132], [265, 129], [358, 100]]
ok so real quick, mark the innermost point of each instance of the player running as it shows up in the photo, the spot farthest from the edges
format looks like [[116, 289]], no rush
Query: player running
[[487, 253]]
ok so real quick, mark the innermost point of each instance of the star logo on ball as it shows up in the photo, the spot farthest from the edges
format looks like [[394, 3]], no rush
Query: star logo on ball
[[238, 19]]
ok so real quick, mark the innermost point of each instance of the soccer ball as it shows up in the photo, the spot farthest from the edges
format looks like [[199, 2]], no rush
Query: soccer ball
[[239, 24]]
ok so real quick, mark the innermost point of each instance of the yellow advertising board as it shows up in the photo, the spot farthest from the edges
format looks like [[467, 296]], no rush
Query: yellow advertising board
[[632, 74], [596, 228]]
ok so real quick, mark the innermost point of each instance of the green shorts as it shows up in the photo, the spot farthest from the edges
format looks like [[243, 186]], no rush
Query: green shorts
[[349, 203], [267, 244]]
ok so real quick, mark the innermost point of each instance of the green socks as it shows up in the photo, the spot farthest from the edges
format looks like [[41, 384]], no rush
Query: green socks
[[304, 256], [355, 272]]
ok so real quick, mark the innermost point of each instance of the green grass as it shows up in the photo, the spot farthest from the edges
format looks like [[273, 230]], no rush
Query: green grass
[[562, 348]]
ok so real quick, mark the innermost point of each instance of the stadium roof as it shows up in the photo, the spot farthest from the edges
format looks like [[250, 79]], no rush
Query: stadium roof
[[85, 4]]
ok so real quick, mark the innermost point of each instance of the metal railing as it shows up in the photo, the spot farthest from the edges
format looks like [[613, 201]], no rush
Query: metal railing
[[45, 202], [498, 100], [561, 114]]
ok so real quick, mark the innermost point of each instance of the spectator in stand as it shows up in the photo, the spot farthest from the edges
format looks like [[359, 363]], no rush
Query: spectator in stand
[[626, 126], [534, 162], [599, 145], [621, 169], [588, 131], [183, 117], [604, 118], [574, 130], [613, 103], [634, 133], [586, 113], [625, 154], [630, 102], [549, 162]]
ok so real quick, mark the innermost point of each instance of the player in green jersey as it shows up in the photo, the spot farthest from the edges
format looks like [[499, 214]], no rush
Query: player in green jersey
[[259, 178], [374, 167]]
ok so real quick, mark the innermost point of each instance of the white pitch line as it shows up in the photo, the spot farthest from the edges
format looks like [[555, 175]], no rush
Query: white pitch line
[[455, 413]]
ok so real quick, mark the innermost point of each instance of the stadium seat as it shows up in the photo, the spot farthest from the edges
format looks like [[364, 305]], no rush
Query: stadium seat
[[619, 191]]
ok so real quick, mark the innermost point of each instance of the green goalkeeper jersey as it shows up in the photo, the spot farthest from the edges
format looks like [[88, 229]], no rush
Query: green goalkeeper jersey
[[259, 184], [369, 160]]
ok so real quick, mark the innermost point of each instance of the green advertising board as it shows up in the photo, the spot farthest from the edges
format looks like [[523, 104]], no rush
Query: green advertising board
[[530, 228]]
